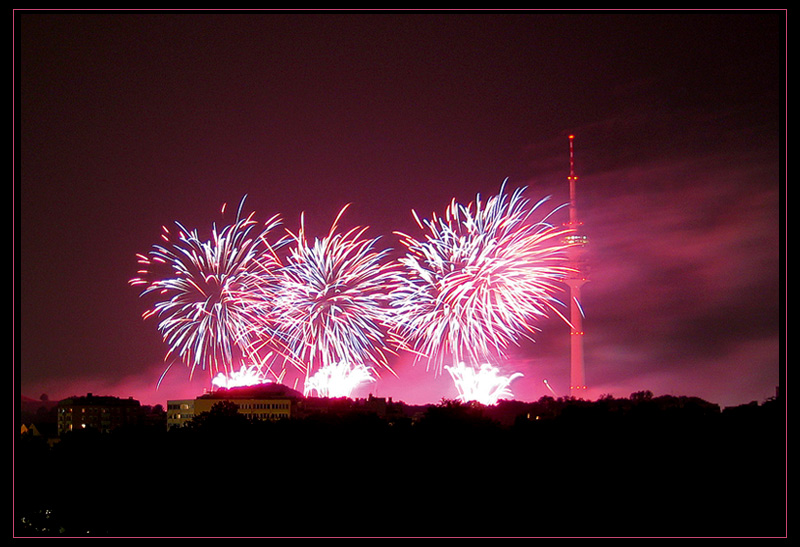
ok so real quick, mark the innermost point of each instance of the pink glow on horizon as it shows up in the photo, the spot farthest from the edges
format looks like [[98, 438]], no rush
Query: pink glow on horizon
[[414, 385]]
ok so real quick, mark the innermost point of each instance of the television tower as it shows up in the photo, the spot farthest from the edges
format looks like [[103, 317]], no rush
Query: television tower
[[575, 280]]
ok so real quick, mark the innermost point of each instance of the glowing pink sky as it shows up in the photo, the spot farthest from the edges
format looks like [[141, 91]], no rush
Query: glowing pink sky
[[130, 121]]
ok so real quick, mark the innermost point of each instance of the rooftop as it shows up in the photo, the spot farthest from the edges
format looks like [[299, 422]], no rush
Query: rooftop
[[260, 391]]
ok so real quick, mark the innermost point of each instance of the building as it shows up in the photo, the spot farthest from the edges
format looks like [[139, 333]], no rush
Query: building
[[259, 402], [179, 411], [102, 413]]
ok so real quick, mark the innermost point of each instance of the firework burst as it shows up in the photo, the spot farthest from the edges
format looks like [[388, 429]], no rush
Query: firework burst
[[485, 384], [338, 379], [484, 272], [250, 374], [246, 376], [210, 292], [331, 300]]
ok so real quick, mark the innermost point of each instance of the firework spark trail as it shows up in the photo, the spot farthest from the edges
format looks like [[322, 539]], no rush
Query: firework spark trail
[[338, 379], [484, 384], [331, 299], [205, 288], [547, 384], [480, 277]]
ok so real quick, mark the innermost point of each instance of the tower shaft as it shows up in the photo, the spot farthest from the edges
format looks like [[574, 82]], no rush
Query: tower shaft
[[577, 372]]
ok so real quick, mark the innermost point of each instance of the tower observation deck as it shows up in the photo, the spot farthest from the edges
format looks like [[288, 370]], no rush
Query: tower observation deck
[[577, 241]]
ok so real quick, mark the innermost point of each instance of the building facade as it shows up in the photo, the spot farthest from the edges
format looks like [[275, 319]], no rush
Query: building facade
[[102, 413], [260, 402], [179, 411]]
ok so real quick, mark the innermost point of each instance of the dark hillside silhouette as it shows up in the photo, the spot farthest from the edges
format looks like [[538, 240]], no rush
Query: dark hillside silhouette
[[641, 466]]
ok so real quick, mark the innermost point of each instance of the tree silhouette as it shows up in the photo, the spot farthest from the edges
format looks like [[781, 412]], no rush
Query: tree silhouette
[[223, 416]]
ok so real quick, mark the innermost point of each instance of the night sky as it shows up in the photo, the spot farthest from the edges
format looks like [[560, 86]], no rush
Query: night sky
[[127, 121]]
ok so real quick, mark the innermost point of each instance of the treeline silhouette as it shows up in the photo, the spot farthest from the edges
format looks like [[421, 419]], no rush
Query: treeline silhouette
[[640, 466]]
